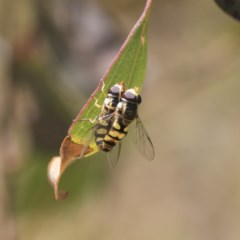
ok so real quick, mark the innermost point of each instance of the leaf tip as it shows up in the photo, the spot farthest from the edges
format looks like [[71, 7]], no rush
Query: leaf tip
[[61, 195]]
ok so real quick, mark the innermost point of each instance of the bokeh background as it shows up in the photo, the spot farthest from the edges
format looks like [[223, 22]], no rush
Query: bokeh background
[[52, 55]]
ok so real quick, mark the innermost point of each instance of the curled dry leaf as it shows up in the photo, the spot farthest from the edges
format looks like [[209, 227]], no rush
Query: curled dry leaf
[[69, 152], [128, 66]]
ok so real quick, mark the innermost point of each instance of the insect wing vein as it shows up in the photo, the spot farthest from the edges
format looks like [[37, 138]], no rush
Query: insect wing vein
[[113, 155], [143, 141]]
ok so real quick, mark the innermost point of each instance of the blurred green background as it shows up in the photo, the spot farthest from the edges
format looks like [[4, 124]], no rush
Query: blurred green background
[[52, 55]]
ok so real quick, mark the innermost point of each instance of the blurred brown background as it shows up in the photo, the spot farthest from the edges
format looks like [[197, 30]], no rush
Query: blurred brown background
[[52, 55]]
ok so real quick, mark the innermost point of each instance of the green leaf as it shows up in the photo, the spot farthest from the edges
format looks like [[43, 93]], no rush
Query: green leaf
[[129, 66]]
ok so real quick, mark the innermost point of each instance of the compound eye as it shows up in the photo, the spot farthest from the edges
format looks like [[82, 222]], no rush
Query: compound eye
[[115, 90], [131, 96], [139, 99]]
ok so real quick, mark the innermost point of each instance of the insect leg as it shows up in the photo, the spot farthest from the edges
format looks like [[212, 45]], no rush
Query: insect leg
[[86, 119]]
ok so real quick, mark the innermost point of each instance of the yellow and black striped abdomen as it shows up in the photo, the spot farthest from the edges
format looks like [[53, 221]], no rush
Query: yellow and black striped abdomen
[[117, 131], [101, 131]]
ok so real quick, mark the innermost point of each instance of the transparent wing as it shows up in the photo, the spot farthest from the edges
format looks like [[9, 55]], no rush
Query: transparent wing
[[113, 155], [106, 117], [143, 141]]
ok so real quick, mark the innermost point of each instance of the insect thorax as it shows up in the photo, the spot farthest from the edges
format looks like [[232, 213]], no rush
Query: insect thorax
[[127, 110]]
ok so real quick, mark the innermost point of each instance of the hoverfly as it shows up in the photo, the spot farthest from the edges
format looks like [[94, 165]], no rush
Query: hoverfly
[[106, 117], [125, 113]]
